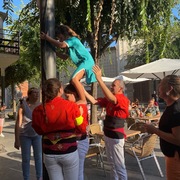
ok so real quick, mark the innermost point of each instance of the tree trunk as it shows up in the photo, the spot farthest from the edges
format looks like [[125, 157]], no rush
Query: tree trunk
[[94, 118], [48, 56], [96, 51]]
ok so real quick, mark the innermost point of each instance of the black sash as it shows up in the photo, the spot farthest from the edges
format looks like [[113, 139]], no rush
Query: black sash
[[111, 123], [114, 122]]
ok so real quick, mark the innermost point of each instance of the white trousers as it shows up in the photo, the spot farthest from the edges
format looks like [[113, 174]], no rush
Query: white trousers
[[115, 155]]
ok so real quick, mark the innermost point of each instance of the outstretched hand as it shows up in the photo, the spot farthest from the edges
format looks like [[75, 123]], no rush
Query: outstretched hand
[[150, 128], [17, 145], [43, 35], [97, 71]]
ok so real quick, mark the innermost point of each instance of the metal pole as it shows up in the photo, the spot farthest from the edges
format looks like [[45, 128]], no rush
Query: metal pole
[[48, 62], [2, 87], [47, 25]]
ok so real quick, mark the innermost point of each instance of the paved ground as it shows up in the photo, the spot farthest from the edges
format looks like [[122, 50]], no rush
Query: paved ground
[[10, 162]]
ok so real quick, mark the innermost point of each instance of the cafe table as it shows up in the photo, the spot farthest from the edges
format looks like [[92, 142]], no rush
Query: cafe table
[[149, 119], [128, 132]]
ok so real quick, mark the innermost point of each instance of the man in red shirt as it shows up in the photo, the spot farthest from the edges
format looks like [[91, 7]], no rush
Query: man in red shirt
[[116, 104]]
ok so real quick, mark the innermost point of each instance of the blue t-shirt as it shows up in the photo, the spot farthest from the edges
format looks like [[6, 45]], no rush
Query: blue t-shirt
[[81, 58]]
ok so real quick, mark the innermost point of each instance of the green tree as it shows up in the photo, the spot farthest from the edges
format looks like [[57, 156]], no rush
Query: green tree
[[100, 22], [136, 56], [173, 46], [28, 65], [29, 25]]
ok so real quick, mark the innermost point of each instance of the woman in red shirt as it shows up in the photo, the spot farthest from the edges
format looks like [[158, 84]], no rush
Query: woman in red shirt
[[57, 120]]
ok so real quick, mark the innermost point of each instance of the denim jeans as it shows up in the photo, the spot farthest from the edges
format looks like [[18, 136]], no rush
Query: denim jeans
[[63, 166], [83, 146], [36, 143], [115, 155]]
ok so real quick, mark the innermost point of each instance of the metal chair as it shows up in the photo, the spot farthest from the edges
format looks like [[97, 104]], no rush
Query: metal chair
[[139, 126], [142, 149], [130, 121]]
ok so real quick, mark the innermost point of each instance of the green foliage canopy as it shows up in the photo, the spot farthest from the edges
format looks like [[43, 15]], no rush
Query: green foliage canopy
[[99, 23]]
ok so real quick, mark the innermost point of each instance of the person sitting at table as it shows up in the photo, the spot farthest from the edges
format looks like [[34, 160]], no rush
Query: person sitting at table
[[152, 109], [155, 96], [137, 102], [134, 110], [102, 114]]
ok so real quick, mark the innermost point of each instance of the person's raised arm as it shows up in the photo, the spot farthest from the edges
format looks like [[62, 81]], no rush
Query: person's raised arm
[[62, 56], [108, 94], [90, 98], [53, 41]]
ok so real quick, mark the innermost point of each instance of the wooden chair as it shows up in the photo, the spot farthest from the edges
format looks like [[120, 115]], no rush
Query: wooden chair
[[94, 145], [143, 149], [97, 145], [94, 128]]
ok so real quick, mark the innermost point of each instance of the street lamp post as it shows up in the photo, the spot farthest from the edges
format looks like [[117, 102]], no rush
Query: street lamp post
[[47, 25], [48, 62]]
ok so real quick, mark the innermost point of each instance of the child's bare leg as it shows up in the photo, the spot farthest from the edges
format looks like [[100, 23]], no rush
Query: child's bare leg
[[79, 87]]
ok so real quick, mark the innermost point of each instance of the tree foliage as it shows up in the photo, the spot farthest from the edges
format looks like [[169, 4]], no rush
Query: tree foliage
[[28, 23], [100, 22], [18, 73], [136, 56], [28, 65]]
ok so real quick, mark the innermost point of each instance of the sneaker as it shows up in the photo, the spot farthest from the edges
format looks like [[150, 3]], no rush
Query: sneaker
[[2, 135]]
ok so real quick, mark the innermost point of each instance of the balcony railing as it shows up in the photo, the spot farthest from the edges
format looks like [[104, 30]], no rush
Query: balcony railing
[[9, 42]]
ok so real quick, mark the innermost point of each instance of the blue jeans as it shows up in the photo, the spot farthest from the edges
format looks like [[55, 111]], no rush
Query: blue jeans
[[36, 143], [63, 166], [83, 146], [115, 155]]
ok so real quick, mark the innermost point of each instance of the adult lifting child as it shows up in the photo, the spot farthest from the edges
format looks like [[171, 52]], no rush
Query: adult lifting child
[[70, 41]]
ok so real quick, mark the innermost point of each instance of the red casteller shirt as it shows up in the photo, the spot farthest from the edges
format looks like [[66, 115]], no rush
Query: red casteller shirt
[[119, 110], [60, 115]]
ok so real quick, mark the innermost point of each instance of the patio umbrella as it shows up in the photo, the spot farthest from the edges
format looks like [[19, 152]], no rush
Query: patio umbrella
[[155, 70], [126, 80]]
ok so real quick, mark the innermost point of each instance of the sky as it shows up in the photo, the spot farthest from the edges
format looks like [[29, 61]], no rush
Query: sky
[[17, 6], [19, 3]]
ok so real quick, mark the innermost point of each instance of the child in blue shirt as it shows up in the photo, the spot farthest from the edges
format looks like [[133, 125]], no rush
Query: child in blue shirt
[[77, 52]]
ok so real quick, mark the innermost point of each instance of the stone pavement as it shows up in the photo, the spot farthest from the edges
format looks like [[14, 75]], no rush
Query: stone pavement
[[10, 162]]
